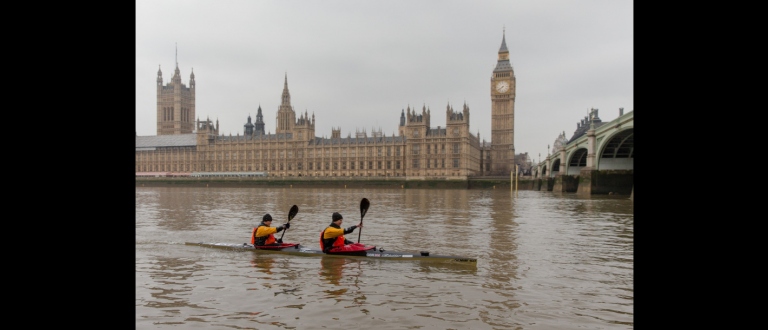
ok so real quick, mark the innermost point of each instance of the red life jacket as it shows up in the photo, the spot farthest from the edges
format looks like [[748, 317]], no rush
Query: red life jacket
[[339, 241], [270, 239]]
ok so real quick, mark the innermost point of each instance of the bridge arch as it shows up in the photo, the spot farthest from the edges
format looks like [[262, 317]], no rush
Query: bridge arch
[[577, 159], [555, 168], [617, 150]]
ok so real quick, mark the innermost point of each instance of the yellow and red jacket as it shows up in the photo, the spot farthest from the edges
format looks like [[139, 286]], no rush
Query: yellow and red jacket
[[263, 235], [333, 236]]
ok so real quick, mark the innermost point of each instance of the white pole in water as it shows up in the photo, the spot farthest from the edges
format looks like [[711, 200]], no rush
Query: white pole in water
[[517, 168]]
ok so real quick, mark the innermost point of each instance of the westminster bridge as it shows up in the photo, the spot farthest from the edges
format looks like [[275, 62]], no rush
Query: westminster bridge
[[598, 159]]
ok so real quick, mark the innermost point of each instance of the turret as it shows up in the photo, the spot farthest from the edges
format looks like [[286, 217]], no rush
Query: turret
[[192, 79], [159, 77], [258, 128], [248, 127]]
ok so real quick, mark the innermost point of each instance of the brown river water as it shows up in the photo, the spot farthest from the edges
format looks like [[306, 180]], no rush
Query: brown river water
[[544, 260]]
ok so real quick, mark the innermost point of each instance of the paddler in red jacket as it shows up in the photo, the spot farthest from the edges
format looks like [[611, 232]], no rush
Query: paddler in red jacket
[[333, 236], [264, 234]]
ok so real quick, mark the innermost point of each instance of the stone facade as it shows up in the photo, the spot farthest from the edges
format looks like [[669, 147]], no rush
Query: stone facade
[[418, 152], [175, 104], [503, 85]]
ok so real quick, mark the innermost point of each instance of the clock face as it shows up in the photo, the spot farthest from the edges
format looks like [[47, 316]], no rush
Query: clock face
[[502, 86]]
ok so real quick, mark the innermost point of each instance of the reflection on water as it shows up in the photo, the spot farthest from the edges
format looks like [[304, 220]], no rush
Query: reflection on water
[[545, 261], [331, 268]]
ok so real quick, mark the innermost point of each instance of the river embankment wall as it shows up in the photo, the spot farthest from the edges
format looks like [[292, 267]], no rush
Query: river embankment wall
[[399, 183], [587, 184]]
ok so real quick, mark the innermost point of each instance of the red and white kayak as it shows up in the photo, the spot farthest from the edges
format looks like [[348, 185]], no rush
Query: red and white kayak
[[355, 250]]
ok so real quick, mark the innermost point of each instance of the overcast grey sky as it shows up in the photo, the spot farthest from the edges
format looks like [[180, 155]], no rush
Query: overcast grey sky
[[356, 64]]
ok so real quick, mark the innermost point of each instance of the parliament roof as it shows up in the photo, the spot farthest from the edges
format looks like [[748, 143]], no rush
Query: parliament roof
[[157, 141]]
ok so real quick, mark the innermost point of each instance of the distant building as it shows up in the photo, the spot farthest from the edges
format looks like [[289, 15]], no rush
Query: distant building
[[418, 151], [503, 86], [175, 104]]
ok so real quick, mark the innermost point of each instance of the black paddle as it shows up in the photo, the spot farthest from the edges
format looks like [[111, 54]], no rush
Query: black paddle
[[364, 204], [291, 214]]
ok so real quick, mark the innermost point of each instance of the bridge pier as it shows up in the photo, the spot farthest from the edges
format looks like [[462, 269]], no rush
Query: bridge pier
[[605, 182], [565, 183], [585, 183]]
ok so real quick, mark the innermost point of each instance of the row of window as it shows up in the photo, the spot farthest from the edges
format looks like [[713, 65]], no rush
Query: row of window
[[320, 153], [379, 165], [168, 114], [416, 149], [434, 163]]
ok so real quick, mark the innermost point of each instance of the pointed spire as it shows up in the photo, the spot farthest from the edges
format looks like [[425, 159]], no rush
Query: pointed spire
[[177, 55], [503, 41], [286, 98]]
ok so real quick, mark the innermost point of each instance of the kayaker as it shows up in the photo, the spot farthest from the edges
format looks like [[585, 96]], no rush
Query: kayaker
[[263, 234], [333, 235]]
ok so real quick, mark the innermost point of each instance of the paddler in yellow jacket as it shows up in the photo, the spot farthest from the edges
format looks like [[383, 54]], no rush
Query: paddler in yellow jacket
[[333, 236], [263, 234]]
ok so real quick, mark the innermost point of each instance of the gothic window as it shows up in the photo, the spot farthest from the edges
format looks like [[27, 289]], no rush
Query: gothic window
[[415, 163]]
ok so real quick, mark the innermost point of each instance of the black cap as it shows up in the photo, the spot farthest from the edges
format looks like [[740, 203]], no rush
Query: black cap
[[336, 216], [267, 217]]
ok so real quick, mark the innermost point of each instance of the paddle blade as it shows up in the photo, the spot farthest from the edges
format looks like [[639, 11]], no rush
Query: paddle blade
[[364, 204], [292, 212]]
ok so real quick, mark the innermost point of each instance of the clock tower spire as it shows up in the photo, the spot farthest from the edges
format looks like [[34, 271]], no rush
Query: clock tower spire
[[502, 113]]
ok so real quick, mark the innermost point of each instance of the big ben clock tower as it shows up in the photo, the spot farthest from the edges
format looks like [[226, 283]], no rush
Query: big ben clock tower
[[502, 114]]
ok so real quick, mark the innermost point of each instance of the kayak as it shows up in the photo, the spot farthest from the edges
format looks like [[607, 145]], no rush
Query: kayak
[[369, 251]]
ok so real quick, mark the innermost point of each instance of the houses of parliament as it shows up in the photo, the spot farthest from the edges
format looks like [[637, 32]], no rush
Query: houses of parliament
[[419, 151]]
